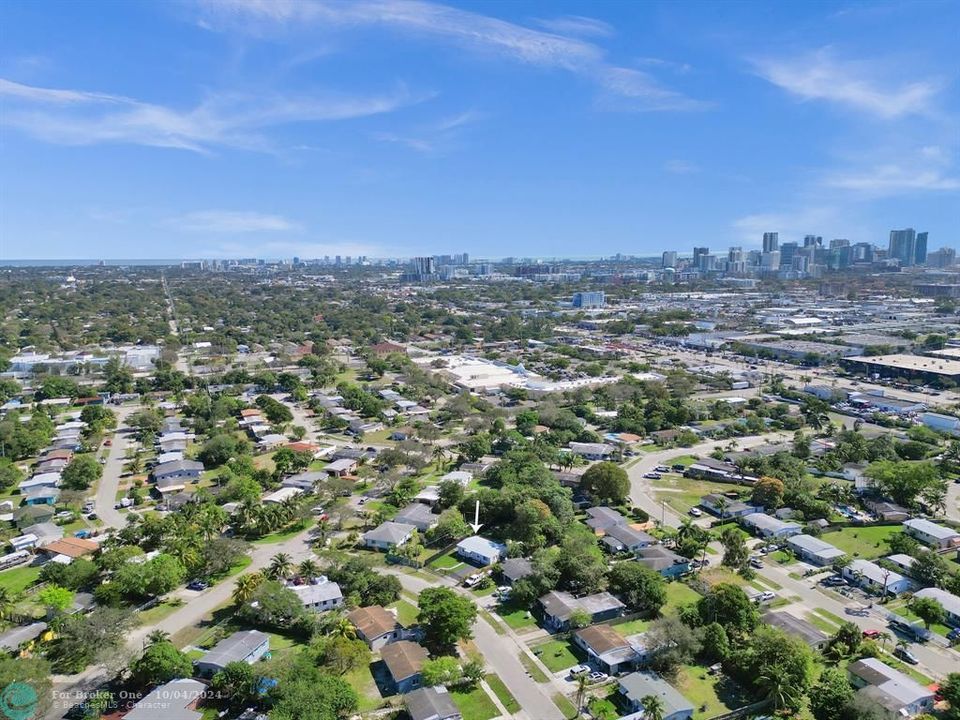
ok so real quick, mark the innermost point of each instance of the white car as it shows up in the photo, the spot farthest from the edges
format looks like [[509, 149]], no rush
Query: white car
[[696, 512], [578, 670], [767, 595], [473, 580]]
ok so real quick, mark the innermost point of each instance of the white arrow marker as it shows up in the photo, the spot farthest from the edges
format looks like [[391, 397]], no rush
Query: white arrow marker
[[476, 524]]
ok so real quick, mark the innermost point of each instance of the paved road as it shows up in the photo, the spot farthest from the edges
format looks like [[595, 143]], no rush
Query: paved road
[[106, 496]]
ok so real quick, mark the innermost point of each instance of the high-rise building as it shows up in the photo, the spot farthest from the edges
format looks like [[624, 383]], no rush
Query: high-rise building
[[771, 241], [770, 261], [423, 266], [944, 257], [920, 249], [735, 254], [589, 299], [862, 252], [812, 241], [839, 243], [903, 245], [669, 259], [787, 251], [697, 253]]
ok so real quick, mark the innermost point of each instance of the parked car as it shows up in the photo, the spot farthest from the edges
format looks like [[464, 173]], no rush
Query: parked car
[[472, 580], [578, 670], [696, 512], [198, 585], [767, 595], [953, 635], [597, 676], [679, 467], [834, 581], [662, 468], [756, 562], [653, 476], [871, 634], [905, 655]]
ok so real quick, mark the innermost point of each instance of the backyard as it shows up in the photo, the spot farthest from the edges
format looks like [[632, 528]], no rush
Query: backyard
[[19, 579], [557, 655], [862, 542]]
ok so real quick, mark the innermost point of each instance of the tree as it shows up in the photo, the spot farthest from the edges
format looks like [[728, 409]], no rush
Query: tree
[[475, 446], [160, 663], [342, 654], [443, 670], [729, 606], [714, 644], [902, 480], [671, 642], [83, 639], [929, 569], [304, 692], [451, 494], [579, 618], [607, 482], [777, 666], [928, 610], [245, 587], [81, 472], [652, 707], [846, 641], [450, 527], [642, 589], [768, 493], [735, 552], [154, 577], [950, 690], [276, 607], [831, 695], [10, 474], [55, 597], [236, 683], [445, 617], [280, 568]]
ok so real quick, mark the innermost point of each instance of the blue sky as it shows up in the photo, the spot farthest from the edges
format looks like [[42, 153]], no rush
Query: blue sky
[[211, 128]]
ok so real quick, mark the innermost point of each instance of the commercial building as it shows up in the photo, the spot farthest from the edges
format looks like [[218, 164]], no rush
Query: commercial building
[[912, 367], [586, 300]]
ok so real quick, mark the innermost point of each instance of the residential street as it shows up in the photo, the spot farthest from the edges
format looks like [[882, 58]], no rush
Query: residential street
[[109, 483]]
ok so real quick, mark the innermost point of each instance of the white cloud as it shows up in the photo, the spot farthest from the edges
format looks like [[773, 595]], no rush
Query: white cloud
[[576, 25], [461, 27], [231, 222], [821, 76], [681, 167], [893, 179], [308, 250], [75, 117], [432, 138], [792, 224]]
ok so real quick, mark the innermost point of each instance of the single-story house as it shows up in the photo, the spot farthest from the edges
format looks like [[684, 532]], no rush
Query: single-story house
[[16, 637], [929, 533], [244, 646], [341, 467], [663, 560], [71, 547], [41, 496], [895, 693], [885, 510], [718, 471], [46, 532], [376, 626], [624, 538], [601, 519], [175, 700], [480, 550], [514, 569], [902, 561], [558, 606], [814, 550], [418, 515], [462, 477], [169, 457], [388, 535], [404, 661], [592, 451], [792, 625], [319, 596], [51, 479], [177, 469], [639, 685], [430, 495], [304, 481], [431, 703], [770, 527], [282, 495], [607, 650], [723, 507], [949, 602], [873, 577]]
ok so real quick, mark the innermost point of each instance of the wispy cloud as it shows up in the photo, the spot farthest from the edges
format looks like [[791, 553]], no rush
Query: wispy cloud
[[577, 25], [893, 179], [792, 224], [463, 28], [822, 76], [78, 117], [231, 222], [432, 138], [681, 167], [286, 249]]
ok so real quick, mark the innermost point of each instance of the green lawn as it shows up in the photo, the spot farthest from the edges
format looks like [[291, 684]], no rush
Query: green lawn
[[901, 609], [446, 562], [682, 493], [19, 579], [685, 460], [517, 618], [281, 535], [531, 667], [602, 709], [474, 704], [632, 627], [159, 611], [862, 542], [362, 681], [502, 693], [238, 567], [406, 613], [821, 624], [566, 707], [557, 655], [710, 695], [679, 594]]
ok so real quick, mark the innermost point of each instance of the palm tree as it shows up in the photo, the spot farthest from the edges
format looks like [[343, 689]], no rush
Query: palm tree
[[323, 530], [280, 567], [583, 681], [652, 707], [884, 638], [157, 636], [308, 570], [439, 456], [246, 586], [341, 627], [6, 602]]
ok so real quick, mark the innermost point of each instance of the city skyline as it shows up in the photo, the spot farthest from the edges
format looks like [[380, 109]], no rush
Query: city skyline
[[398, 129]]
